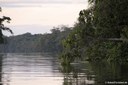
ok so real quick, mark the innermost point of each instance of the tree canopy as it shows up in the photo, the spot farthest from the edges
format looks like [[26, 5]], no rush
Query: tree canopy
[[2, 27], [101, 32], [28, 43]]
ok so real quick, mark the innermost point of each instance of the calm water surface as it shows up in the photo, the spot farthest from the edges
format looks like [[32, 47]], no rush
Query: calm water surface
[[44, 69], [38, 69], [34, 69]]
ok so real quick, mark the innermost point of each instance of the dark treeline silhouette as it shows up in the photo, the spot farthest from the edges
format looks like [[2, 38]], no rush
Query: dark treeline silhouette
[[49, 42], [3, 27]]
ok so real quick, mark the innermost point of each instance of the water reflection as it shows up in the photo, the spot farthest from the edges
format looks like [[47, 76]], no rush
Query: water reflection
[[77, 74], [110, 73], [38, 69], [1, 57], [34, 69], [95, 73]]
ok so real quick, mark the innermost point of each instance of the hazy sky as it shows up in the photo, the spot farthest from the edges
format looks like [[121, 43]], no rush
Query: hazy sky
[[39, 16]]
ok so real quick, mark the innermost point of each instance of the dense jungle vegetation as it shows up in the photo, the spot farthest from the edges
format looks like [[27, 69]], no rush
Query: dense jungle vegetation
[[28, 43], [100, 36], [101, 33]]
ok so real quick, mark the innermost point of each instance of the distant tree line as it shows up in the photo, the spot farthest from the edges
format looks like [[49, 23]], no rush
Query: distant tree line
[[48, 42]]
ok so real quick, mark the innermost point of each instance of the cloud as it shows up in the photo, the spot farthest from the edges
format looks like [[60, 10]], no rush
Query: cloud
[[49, 14], [13, 5], [29, 3], [43, 1], [40, 17]]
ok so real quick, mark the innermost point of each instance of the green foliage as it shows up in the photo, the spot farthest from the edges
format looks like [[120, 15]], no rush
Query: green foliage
[[53, 42], [50, 42], [102, 32], [110, 17], [71, 47]]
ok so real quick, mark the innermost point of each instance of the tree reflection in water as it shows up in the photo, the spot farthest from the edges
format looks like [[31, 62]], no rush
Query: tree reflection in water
[[77, 74], [95, 73], [110, 72]]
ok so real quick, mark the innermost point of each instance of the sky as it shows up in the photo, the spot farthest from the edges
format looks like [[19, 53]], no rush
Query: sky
[[39, 16]]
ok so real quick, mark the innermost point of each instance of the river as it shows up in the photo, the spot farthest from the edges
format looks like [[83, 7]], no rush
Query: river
[[45, 69], [31, 69]]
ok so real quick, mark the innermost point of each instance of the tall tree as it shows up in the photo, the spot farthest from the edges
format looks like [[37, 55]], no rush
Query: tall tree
[[101, 31]]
